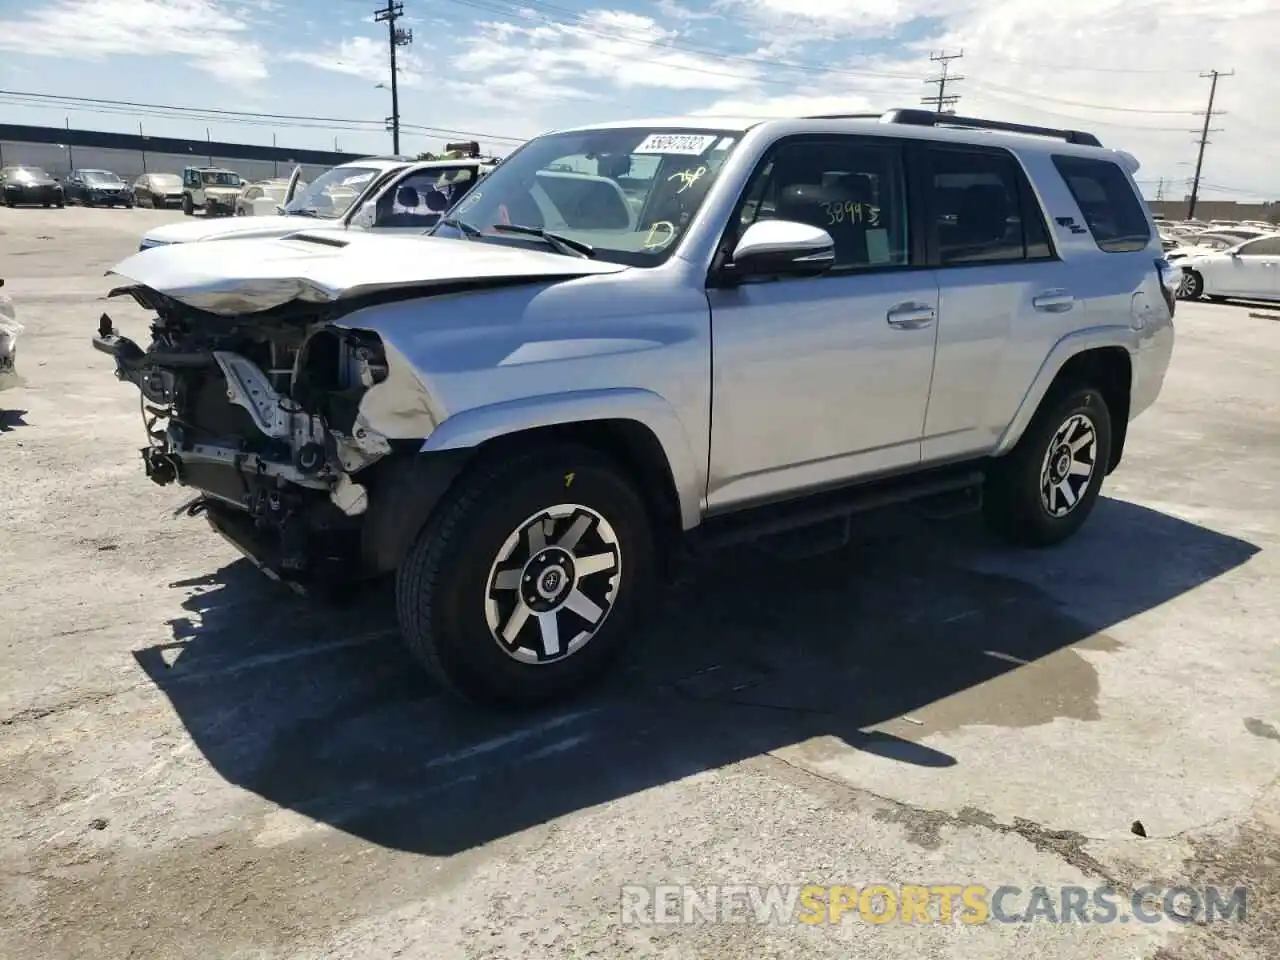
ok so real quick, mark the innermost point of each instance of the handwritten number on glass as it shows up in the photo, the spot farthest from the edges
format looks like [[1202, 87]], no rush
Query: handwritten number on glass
[[687, 178], [853, 212]]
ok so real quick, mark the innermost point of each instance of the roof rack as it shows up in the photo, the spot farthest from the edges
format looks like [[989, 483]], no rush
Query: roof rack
[[927, 118]]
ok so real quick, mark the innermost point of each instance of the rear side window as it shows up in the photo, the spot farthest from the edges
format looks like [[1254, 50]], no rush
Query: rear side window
[[982, 213], [1267, 247], [1115, 215]]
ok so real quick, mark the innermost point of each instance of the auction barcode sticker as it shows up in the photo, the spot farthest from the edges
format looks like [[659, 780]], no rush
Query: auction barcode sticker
[[691, 144]]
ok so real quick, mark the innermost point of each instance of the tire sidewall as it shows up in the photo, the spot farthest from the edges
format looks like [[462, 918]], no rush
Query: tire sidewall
[[1021, 482], [466, 648]]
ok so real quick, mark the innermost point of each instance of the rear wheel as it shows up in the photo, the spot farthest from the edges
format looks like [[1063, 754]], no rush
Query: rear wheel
[[1046, 487], [1191, 287], [525, 583]]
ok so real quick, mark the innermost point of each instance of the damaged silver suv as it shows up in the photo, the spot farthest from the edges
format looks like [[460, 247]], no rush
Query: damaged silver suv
[[636, 338]]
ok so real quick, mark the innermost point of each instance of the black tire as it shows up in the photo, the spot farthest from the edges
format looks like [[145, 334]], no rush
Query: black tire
[[1013, 503], [1192, 286], [442, 586], [188, 208]]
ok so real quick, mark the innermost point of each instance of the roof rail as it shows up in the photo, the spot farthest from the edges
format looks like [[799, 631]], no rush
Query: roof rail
[[927, 118], [844, 116]]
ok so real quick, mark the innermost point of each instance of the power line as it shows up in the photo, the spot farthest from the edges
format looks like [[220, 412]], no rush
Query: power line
[[941, 101], [396, 37], [1204, 138]]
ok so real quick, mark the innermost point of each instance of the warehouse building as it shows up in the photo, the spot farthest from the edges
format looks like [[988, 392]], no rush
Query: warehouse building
[[59, 150]]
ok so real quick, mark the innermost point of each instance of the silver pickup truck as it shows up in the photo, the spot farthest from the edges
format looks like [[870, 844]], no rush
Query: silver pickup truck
[[637, 338]]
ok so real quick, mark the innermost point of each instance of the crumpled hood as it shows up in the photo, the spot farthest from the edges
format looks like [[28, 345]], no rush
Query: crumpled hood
[[189, 231], [250, 275]]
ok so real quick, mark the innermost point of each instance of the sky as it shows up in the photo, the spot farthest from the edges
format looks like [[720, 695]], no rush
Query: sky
[[500, 71]]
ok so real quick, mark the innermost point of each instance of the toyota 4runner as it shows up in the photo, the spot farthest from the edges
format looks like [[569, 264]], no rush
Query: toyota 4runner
[[638, 337]]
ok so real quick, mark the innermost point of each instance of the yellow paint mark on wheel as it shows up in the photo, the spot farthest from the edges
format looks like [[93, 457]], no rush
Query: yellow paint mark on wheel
[[568, 480]]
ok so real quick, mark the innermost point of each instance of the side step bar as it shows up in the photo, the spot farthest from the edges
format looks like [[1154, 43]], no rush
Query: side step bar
[[757, 522]]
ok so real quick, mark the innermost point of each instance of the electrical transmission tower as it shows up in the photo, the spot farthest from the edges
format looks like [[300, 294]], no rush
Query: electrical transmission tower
[[1204, 132], [397, 37], [941, 101]]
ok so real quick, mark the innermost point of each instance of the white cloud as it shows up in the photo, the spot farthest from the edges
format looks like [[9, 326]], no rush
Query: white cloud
[[361, 57], [1126, 71], [630, 51], [213, 35]]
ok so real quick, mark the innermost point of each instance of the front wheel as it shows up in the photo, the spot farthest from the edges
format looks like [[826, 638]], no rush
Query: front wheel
[[524, 584], [188, 208], [1045, 488], [1191, 287]]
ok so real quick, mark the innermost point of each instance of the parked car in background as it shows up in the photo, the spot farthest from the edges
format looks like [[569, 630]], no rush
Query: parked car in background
[[1201, 243], [1250, 270], [159, 190], [97, 188], [29, 186], [325, 203], [211, 189], [262, 199]]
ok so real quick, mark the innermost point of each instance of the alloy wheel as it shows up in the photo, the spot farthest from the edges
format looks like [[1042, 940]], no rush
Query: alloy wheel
[[1069, 465], [553, 584]]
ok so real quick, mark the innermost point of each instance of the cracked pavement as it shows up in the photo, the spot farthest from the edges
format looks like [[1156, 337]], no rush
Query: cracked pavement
[[196, 763]]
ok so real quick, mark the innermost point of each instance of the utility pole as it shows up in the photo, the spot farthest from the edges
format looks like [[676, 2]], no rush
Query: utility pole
[[943, 103], [1209, 114], [396, 37], [1160, 189]]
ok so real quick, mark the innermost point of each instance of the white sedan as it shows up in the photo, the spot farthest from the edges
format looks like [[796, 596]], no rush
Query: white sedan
[[1250, 270]]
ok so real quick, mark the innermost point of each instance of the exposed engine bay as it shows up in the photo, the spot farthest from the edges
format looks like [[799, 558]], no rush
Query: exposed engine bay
[[262, 415]]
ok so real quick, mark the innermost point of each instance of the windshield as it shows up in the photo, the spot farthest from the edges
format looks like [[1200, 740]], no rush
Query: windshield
[[628, 193], [30, 173], [221, 178], [331, 193], [169, 180], [99, 176]]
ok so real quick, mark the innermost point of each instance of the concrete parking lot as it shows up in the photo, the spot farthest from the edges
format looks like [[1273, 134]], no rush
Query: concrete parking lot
[[196, 763]]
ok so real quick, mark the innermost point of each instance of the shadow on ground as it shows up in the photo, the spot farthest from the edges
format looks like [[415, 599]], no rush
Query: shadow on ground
[[324, 713], [11, 419]]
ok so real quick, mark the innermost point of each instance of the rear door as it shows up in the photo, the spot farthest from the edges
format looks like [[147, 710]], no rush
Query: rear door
[[1005, 295]]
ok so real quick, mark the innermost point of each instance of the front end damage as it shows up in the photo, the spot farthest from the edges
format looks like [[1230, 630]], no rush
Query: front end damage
[[263, 415]]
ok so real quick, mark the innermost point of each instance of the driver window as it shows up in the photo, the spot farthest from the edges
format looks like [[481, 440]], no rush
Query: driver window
[[853, 189], [421, 198]]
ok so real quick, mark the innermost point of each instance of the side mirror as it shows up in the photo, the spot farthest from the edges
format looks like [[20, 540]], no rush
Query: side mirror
[[783, 248], [364, 217]]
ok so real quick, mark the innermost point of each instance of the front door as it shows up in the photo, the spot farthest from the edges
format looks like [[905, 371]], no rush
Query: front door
[[823, 380]]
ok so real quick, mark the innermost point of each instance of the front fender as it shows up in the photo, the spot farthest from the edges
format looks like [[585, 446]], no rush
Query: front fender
[[470, 428], [1090, 338]]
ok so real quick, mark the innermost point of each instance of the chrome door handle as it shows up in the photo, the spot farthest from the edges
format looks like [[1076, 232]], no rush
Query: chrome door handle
[[1054, 301], [910, 316]]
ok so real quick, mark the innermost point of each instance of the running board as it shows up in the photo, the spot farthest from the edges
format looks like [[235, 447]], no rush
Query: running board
[[757, 522]]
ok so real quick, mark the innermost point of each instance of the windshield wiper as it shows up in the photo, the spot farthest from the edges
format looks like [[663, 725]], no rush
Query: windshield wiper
[[562, 244], [464, 228], [303, 212]]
